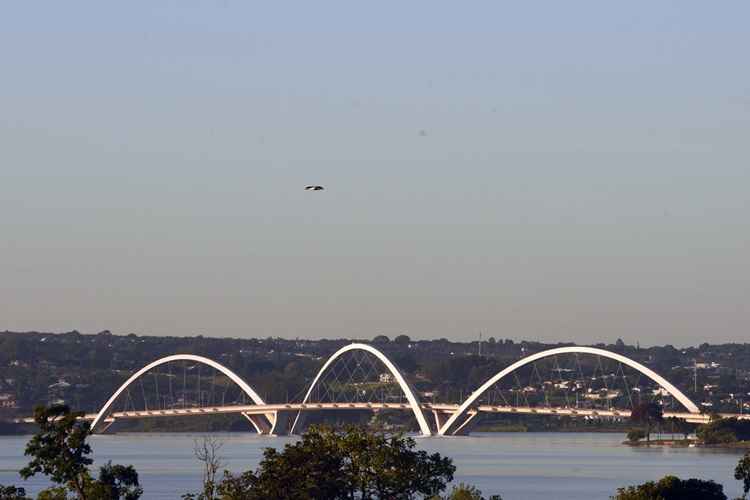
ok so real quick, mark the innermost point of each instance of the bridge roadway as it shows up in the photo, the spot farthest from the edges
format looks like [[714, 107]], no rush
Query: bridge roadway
[[436, 409]]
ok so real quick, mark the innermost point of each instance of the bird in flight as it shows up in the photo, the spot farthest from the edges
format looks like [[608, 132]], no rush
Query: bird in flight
[[314, 188]]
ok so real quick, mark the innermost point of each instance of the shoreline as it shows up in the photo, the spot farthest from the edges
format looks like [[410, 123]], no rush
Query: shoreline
[[687, 443]]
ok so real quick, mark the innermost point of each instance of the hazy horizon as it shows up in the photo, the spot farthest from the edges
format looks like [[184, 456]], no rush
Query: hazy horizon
[[567, 172], [468, 341]]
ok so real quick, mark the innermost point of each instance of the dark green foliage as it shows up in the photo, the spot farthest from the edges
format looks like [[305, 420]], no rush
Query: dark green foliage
[[120, 481], [648, 415], [405, 361], [310, 468], [724, 430], [355, 463], [673, 488], [60, 451], [12, 493], [54, 493], [742, 473], [636, 435], [236, 487], [467, 492], [681, 426]]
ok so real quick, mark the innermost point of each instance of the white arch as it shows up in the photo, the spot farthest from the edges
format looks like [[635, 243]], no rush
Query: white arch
[[183, 357], [413, 401], [686, 402]]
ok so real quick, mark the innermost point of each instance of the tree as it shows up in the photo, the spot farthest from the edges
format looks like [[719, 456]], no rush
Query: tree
[[724, 430], [467, 492], [635, 435], [402, 339], [338, 465], [12, 493], [682, 426], [234, 487], [117, 482], [742, 473], [405, 361], [390, 467], [60, 451], [380, 339], [53, 493], [206, 450], [309, 468], [673, 488], [647, 414]]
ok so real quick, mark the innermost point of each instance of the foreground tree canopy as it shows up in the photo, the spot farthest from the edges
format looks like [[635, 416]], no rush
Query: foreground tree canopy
[[349, 464], [673, 488], [742, 473], [60, 451]]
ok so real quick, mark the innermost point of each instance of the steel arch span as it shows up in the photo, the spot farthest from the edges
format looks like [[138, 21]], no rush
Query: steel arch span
[[198, 359], [454, 424], [410, 396]]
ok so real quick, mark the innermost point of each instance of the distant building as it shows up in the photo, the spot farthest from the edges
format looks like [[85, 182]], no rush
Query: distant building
[[705, 365], [7, 400], [386, 378], [57, 392], [60, 385], [604, 394]]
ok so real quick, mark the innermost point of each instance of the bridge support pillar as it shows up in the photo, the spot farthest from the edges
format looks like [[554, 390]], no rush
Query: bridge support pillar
[[439, 419], [299, 424], [283, 423], [261, 422], [103, 427], [465, 427]]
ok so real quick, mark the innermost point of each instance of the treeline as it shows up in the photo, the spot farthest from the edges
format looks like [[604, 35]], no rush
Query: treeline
[[724, 431], [281, 369]]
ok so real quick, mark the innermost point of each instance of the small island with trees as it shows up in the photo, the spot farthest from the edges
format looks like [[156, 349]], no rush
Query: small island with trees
[[717, 433]]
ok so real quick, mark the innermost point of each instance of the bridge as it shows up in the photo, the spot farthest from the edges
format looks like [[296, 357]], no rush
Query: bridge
[[359, 377]]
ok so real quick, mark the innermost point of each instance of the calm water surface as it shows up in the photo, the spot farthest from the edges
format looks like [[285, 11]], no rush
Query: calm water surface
[[524, 466]]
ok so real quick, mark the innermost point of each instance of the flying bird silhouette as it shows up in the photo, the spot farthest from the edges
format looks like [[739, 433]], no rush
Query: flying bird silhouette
[[314, 188]]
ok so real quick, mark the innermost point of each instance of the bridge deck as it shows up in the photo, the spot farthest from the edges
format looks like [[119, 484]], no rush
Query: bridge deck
[[440, 408]]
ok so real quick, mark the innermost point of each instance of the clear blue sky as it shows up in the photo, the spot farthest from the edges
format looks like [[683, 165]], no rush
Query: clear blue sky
[[555, 171]]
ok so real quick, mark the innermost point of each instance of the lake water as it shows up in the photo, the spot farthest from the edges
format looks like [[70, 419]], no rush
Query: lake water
[[522, 466]]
